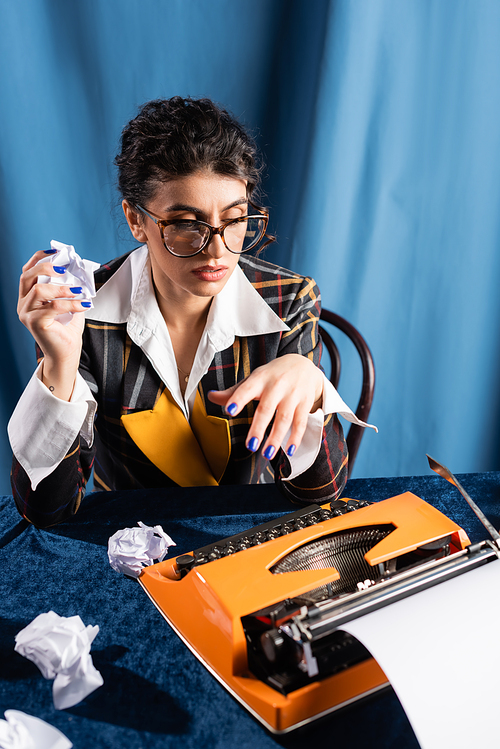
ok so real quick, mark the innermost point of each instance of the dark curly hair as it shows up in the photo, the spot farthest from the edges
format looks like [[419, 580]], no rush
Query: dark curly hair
[[176, 137]]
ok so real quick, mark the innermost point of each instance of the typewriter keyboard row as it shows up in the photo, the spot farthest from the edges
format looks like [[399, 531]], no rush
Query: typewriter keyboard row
[[282, 526]]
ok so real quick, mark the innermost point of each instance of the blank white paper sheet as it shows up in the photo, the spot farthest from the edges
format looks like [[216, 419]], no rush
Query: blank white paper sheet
[[440, 652]]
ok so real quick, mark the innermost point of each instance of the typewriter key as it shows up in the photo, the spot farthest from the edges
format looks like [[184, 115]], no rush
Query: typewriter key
[[338, 507], [185, 562], [259, 538], [337, 504]]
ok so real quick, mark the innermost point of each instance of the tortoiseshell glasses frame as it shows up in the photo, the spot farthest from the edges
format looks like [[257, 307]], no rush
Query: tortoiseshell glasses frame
[[247, 233]]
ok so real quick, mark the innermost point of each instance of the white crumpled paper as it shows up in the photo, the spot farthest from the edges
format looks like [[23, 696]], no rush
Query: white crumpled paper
[[79, 272], [60, 647], [22, 731], [132, 549]]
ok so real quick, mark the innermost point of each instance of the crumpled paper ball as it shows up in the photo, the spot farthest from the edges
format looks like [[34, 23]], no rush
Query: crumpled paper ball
[[14, 734], [132, 549], [79, 272], [60, 647], [22, 731]]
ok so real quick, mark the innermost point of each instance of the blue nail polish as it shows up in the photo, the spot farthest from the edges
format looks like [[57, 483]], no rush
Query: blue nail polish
[[76, 289], [85, 304], [291, 450], [253, 444], [59, 269], [269, 452], [50, 252], [231, 409]]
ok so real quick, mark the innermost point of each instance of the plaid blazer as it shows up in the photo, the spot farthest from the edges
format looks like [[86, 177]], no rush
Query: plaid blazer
[[123, 381]]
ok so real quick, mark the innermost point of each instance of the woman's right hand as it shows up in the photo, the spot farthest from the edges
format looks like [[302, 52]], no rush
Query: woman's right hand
[[38, 306]]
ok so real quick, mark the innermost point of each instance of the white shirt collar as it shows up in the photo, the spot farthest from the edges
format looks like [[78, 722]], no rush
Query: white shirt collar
[[128, 297]]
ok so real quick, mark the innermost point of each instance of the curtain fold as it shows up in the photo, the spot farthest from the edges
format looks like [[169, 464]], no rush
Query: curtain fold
[[397, 217]]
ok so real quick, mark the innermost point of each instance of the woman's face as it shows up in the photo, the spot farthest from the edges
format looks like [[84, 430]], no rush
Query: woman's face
[[203, 196]]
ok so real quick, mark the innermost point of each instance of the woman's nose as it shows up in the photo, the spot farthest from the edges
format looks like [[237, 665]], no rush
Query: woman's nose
[[216, 247]]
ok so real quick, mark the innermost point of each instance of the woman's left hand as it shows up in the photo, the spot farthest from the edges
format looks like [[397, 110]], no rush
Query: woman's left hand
[[288, 388]]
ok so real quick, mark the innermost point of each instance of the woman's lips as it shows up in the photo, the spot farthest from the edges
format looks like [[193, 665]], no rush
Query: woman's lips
[[208, 273]]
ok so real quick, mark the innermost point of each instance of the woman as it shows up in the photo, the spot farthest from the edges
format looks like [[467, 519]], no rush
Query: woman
[[199, 363]]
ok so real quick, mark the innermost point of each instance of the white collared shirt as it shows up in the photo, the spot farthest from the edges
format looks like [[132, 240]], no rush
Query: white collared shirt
[[43, 427]]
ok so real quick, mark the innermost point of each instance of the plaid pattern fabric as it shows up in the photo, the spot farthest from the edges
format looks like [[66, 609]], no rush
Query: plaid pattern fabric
[[123, 381]]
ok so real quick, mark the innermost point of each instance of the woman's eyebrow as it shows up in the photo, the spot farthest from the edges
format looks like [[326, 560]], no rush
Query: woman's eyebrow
[[192, 209], [235, 203], [181, 207]]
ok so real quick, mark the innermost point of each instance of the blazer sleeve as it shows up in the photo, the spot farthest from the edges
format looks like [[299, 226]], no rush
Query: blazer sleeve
[[58, 496], [325, 479]]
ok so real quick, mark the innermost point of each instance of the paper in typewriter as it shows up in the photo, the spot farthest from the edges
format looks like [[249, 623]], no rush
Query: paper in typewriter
[[439, 649]]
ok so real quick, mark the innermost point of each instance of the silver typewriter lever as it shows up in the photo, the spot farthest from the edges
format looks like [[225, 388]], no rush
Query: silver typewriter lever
[[447, 474]]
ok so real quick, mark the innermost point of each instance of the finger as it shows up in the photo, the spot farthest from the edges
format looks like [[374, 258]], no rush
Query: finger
[[297, 431], [291, 419], [58, 306], [264, 414], [221, 397], [51, 291], [227, 400], [246, 391], [283, 420], [32, 270], [46, 301], [37, 320], [34, 259]]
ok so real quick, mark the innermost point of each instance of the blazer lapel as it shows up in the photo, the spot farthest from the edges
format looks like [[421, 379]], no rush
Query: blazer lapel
[[214, 437], [193, 454]]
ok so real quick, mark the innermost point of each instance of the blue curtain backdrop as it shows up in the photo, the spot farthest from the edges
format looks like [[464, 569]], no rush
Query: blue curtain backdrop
[[380, 124]]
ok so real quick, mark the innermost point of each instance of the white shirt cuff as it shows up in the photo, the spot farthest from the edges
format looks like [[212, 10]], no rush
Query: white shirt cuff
[[308, 450], [43, 427]]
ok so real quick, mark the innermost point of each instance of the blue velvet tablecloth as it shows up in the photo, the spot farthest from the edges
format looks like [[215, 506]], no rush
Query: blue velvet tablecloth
[[156, 694]]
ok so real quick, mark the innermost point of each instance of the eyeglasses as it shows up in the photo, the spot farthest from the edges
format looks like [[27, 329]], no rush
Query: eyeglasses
[[185, 238]]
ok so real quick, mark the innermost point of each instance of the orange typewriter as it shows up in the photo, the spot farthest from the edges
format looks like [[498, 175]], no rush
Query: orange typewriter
[[263, 610]]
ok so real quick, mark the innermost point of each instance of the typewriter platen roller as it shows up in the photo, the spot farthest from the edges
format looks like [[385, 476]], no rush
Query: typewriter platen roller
[[263, 610]]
